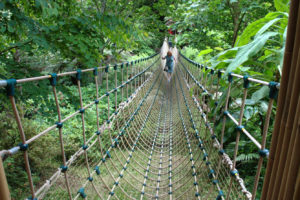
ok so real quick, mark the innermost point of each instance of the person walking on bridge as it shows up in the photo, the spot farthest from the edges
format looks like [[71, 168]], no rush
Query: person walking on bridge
[[169, 62]]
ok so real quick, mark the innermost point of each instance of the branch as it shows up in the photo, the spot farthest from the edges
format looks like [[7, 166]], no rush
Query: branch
[[15, 46]]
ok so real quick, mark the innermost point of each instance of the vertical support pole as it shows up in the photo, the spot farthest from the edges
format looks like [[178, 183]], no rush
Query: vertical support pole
[[4, 191], [264, 152], [122, 89], [115, 90], [23, 146], [230, 78], [239, 130], [81, 110], [127, 65], [64, 167]]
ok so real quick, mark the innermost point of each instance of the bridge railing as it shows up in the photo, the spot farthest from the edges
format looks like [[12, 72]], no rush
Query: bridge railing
[[133, 78], [208, 81]]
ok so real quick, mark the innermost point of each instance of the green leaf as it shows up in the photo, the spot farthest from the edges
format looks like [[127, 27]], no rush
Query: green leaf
[[247, 51], [259, 26], [282, 5], [260, 94], [204, 52]]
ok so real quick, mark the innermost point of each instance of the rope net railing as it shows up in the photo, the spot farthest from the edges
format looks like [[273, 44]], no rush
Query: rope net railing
[[212, 93], [156, 142]]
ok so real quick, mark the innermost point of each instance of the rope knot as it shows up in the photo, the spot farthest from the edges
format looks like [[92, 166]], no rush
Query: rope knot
[[273, 90], [23, 147], [10, 87], [263, 152], [81, 192], [64, 168]]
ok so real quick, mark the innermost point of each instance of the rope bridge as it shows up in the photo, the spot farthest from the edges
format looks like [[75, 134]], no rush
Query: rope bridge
[[158, 143]]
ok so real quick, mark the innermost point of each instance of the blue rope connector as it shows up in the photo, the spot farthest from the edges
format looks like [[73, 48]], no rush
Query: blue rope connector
[[240, 128], [213, 137], [263, 152], [234, 172], [197, 194], [96, 101], [122, 65], [78, 75], [207, 163], [59, 124], [108, 154], [205, 156], [115, 67], [230, 77], [81, 110], [90, 179], [215, 182], [81, 192], [30, 198], [221, 151], [64, 168], [225, 112], [98, 132], [95, 72], [53, 79], [211, 173], [97, 170], [84, 147], [10, 87], [108, 121], [23, 147], [246, 81], [212, 71], [273, 90], [219, 74], [216, 103], [116, 141], [220, 195], [106, 68]]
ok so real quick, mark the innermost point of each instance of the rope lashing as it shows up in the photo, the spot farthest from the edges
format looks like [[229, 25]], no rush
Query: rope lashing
[[230, 77], [234, 172], [10, 87], [84, 147], [246, 81], [95, 71], [273, 90], [82, 193], [78, 74], [64, 168], [220, 195], [219, 74], [53, 79], [30, 198], [97, 170], [240, 128], [59, 124], [81, 110], [23, 147], [263, 152]]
